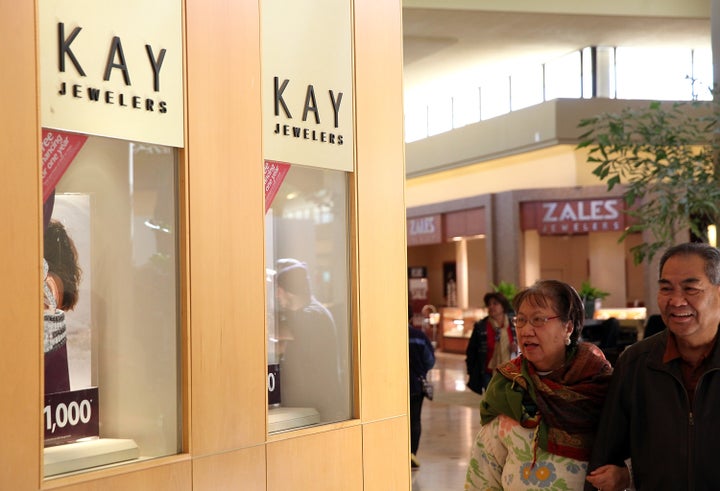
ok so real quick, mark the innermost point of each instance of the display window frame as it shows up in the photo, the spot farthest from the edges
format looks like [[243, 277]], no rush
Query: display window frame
[[284, 413], [157, 249]]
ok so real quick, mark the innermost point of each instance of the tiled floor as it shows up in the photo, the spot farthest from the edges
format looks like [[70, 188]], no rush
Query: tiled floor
[[450, 423]]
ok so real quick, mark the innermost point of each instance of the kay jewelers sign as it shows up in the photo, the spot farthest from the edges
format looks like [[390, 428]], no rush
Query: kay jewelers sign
[[113, 68], [307, 77]]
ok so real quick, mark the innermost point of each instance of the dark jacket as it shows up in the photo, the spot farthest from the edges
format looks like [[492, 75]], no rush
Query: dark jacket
[[477, 353], [648, 417], [422, 358]]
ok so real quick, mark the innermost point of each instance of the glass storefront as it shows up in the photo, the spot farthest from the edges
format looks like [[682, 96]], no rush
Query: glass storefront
[[308, 314], [111, 320]]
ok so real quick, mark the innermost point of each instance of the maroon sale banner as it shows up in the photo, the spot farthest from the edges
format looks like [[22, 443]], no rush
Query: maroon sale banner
[[275, 173], [59, 148], [273, 384], [71, 416]]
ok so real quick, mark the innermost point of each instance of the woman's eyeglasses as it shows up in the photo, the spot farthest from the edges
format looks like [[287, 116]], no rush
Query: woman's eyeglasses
[[536, 321]]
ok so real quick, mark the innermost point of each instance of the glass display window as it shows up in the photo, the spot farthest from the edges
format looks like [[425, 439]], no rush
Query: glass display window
[[111, 319], [308, 313]]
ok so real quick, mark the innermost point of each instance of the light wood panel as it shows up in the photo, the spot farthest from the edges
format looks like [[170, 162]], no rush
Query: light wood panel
[[381, 210], [224, 249], [244, 469], [227, 275], [386, 455], [328, 461], [20, 196], [171, 477]]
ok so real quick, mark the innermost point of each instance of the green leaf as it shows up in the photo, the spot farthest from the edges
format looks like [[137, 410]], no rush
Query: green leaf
[[664, 159]]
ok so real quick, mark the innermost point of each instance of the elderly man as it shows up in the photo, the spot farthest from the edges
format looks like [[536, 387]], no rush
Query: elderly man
[[661, 411]]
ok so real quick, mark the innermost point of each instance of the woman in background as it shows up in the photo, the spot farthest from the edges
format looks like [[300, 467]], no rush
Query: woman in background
[[492, 342]]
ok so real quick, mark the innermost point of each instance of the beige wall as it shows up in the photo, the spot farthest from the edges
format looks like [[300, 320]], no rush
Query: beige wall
[[564, 258], [635, 273], [607, 267], [547, 168], [478, 282], [225, 443], [432, 257]]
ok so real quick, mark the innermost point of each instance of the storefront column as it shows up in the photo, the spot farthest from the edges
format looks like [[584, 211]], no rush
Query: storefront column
[[531, 260], [715, 39], [606, 269], [504, 250], [461, 269]]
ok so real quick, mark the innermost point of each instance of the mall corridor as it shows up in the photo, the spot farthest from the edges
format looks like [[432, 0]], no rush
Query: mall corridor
[[450, 423]]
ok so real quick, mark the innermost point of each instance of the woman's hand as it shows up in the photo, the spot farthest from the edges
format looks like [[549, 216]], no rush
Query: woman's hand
[[610, 478]]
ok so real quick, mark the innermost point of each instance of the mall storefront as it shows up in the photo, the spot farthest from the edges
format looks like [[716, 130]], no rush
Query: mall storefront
[[205, 167], [464, 247]]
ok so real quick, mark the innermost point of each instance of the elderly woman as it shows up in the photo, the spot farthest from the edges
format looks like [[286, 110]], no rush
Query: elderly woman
[[540, 411]]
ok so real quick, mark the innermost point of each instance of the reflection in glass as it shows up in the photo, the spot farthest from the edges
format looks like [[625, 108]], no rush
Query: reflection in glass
[[111, 250], [308, 315]]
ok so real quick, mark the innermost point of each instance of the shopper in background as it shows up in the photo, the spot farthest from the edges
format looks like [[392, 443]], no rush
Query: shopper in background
[[540, 411], [310, 365], [653, 325], [662, 407], [422, 359], [492, 342]]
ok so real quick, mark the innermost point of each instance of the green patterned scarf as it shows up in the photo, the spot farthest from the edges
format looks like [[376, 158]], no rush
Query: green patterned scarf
[[564, 405]]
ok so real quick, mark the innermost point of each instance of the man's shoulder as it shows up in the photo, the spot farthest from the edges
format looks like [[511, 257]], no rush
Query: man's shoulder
[[652, 347]]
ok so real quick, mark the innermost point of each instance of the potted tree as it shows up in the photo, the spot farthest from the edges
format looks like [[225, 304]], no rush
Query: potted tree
[[592, 298], [666, 157], [509, 290]]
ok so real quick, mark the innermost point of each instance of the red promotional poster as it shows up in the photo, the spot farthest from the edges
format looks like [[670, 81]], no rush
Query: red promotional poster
[[275, 173], [59, 148]]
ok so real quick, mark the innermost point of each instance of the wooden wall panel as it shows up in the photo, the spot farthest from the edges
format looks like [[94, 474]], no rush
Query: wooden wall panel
[[381, 210], [386, 455], [224, 247], [20, 197], [328, 461], [244, 469], [171, 477], [227, 305]]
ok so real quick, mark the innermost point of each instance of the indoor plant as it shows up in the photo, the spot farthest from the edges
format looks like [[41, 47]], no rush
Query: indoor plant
[[665, 156], [509, 290], [591, 297]]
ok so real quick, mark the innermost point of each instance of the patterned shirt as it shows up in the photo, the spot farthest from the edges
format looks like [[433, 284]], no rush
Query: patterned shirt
[[502, 460]]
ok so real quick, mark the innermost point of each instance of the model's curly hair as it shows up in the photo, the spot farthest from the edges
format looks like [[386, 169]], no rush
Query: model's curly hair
[[62, 258]]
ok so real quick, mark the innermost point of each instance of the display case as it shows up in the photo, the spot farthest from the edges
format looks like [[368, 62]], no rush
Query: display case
[[308, 313], [111, 308], [631, 319], [457, 326]]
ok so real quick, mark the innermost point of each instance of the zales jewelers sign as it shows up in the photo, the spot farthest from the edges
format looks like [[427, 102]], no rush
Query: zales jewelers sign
[[113, 68], [569, 217], [307, 77]]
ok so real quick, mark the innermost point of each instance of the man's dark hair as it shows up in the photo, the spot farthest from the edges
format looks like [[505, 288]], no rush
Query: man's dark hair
[[709, 254]]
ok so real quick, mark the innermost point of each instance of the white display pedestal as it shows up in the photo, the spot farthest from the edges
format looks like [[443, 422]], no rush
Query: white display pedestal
[[287, 418], [92, 453]]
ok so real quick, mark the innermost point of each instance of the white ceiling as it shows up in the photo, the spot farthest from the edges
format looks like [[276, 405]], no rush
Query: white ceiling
[[439, 42]]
